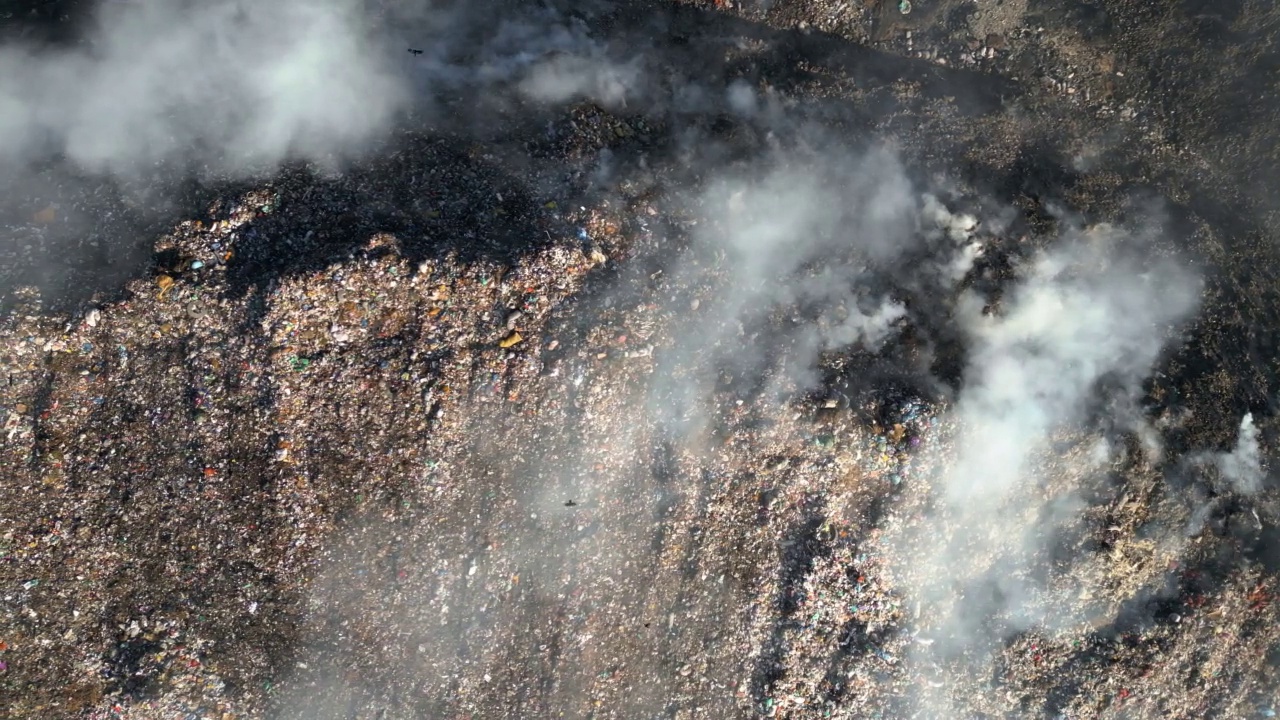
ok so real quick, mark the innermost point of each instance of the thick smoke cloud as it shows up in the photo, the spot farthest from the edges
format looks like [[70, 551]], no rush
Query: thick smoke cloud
[[836, 254], [114, 125], [790, 257], [235, 88], [1076, 318], [228, 85], [1084, 316]]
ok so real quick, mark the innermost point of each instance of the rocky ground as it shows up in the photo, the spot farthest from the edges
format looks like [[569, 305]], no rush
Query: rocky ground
[[560, 411]]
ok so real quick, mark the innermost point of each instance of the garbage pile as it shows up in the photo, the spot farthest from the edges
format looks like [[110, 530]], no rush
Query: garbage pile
[[474, 453]]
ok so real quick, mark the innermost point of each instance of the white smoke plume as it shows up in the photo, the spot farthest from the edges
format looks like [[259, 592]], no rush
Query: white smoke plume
[[1242, 467], [231, 84], [1084, 313], [231, 88], [790, 247], [1075, 319]]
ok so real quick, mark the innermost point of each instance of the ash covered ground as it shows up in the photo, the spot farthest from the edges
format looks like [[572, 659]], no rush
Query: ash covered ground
[[723, 359]]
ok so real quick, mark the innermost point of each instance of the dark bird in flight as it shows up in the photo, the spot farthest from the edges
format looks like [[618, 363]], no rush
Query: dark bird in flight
[[415, 52], [570, 504]]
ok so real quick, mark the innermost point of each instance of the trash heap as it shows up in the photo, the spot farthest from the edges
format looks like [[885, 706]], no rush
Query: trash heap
[[908, 429], [327, 457]]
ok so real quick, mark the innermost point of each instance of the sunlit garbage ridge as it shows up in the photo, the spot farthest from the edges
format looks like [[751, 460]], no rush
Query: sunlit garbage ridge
[[409, 473], [706, 364]]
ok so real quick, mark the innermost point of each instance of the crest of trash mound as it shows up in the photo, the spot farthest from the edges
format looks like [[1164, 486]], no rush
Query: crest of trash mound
[[723, 462]]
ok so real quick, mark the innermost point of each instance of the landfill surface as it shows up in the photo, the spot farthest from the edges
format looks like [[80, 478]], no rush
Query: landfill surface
[[723, 359]]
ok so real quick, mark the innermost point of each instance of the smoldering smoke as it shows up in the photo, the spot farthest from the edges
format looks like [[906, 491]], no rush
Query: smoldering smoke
[[233, 85], [233, 89]]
